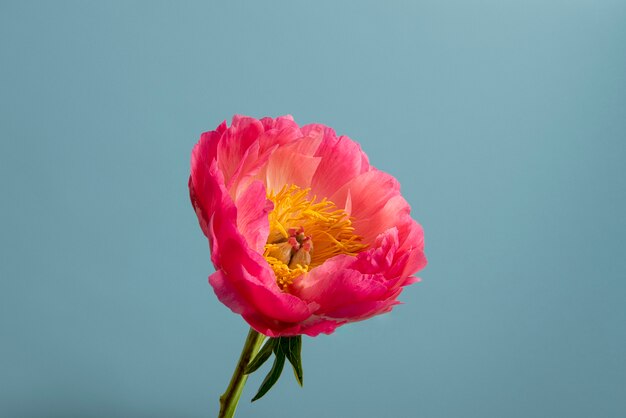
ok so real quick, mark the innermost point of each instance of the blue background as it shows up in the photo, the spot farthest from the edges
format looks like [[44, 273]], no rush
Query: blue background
[[504, 121]]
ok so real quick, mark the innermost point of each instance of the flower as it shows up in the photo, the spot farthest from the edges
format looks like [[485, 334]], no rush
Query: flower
[[305, 234]]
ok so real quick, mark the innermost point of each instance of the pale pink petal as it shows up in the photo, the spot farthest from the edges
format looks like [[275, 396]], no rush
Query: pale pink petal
[[341, 160], [245, 146], [257, 156], [293, 164], [368, 193], [393, 209]]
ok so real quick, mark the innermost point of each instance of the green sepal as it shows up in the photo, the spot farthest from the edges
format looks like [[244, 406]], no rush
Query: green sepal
[[274, 374], [261, 357], [292, 347], [283, 348]]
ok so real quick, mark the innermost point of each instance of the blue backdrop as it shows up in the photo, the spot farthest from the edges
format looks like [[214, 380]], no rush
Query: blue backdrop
[[504, 121]]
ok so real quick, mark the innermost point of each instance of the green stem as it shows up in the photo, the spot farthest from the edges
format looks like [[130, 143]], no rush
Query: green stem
[[230, 398]]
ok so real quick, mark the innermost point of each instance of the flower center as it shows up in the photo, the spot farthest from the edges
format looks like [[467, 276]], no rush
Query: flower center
[[304, 233]]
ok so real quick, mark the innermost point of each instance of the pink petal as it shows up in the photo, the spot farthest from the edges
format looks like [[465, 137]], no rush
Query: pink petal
[[203, 155], [251, 282], [342, 160], [363, 310], [234, 143], [293, 163], [256, 158], [253, 208], [312, 326], [396, 214], [334, 284], [368, 193], [248, 274]]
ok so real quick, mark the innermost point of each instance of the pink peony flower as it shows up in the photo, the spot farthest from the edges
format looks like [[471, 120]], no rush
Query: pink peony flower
[[305, 234]]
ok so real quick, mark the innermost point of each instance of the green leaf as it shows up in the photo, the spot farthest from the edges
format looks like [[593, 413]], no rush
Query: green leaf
[[261, 357], [292, 346], [273, 375]]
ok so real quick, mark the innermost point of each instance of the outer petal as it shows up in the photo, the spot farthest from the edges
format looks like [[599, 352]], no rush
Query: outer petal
[[312, 327], [234, 143], [203, 153], [245, 283], [248, 271], [396, 214], [351, 289], [335, 284], [334, 287], [253, 208]]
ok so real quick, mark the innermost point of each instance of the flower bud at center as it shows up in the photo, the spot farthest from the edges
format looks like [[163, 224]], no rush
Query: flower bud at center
[[283, 250], [302, 257]]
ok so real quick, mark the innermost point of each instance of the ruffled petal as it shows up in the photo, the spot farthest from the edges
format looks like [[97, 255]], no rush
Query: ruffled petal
[[255, 159], [335, 284], [234, 144], [312, 326], [251, 282], [396, 214], [247, 144], [250, 274], [341, 160], [363, 310], [204, 154], [356, 288], [293, 164], [368, 193]]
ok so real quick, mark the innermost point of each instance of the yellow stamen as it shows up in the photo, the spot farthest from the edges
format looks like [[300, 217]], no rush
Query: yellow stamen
[[321, 228]]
